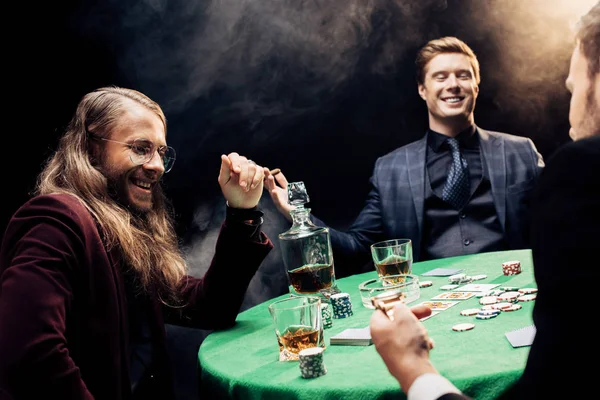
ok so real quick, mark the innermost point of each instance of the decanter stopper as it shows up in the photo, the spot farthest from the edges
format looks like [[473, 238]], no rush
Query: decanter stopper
[[297, 194]]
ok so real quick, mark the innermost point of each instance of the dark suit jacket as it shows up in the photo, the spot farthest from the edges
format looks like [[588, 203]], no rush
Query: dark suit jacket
[[563, 360], [63, 310], [395, 204]]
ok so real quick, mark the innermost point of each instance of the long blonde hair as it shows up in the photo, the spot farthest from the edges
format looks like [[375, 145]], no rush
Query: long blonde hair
[[148, 243]]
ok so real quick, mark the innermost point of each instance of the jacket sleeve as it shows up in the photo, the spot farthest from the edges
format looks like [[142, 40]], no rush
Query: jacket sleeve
[[40, 253], [213, 301], [351, 248]]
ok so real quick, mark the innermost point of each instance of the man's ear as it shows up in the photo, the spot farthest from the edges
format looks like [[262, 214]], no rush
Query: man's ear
[[422, 90], [94, 150]]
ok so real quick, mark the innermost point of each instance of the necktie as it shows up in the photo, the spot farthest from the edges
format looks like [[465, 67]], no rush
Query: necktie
[[457, 187]]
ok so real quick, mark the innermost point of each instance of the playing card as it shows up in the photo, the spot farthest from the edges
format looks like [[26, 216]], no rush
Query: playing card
[[477, 287], [439, 305], [454, 296]]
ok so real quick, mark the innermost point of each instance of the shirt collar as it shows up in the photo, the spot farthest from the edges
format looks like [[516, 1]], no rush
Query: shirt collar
[[468, 139]]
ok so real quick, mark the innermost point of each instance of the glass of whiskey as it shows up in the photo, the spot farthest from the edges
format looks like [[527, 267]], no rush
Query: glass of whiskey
[[298, 325]]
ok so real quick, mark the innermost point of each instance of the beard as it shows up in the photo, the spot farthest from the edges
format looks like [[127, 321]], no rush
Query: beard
[[117, 183]]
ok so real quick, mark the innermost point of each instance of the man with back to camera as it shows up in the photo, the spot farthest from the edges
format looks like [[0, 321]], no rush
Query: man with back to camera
[[564, 236], [459, 190]]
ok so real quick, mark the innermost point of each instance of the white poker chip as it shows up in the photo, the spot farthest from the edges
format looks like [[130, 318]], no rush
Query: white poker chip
[[501, 305], [528, 297], [311, 351], [513, 307], [463, 327], [487, 307], [425, 284], [449, 287], [509, 296], [457, 278], [478, 277], [487, 300], [470, 312], [528, 290]]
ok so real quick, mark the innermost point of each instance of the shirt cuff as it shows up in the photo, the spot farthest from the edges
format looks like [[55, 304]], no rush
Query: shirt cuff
[[430, 386]]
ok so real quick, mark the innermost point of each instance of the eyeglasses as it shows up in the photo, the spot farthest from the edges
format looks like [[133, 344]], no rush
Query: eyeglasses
[[142, 151]]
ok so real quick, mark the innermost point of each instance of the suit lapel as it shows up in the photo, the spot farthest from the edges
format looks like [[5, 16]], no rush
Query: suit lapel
[[416, 177], [492, 148]]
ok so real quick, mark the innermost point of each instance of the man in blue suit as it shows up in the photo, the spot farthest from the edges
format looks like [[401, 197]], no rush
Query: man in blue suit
[[458, 190]]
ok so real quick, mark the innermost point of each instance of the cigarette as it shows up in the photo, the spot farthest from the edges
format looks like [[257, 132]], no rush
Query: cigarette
[[273, 172]]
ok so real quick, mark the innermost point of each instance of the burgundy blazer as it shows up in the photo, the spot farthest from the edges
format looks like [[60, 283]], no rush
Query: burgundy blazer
[[63, 308]]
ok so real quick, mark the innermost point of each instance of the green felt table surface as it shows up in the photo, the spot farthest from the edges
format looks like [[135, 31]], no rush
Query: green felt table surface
[[242, 362]]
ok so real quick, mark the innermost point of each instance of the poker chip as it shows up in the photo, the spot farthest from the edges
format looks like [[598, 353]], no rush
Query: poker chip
[[501, 305], [311, 362], [327, 315], [342, 306], [511, 268], [494, 292], [510, 288], [463, 327], [425, 284], [478, 277], [449, 287], [487, 300], [528, 297], [488, 312], [456, 278], [513, 307], [486, 316], [509, 296], [469, 312], [487, 307], [530, 290]]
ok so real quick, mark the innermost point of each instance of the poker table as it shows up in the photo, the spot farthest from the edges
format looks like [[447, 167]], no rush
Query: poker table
[[242, 362]]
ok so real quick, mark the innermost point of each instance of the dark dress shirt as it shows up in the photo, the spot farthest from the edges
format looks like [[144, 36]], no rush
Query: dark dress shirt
[[473, 229]]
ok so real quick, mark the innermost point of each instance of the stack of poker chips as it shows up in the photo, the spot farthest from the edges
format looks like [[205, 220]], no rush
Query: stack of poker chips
[[327, 315], [342, 307], [511, 268], [311, 362]]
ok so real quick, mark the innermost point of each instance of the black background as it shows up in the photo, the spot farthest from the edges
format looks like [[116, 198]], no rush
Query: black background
[[288, 91]]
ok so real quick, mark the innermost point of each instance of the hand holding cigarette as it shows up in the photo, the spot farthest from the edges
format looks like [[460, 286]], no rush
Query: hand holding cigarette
[[277, 185]]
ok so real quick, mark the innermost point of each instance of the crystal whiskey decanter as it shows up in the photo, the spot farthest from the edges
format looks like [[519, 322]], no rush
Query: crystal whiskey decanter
[[306, 250]]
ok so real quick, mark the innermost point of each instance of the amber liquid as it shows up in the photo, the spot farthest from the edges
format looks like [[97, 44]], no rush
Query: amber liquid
[[311, 278], [297, 338], [394, 265]]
